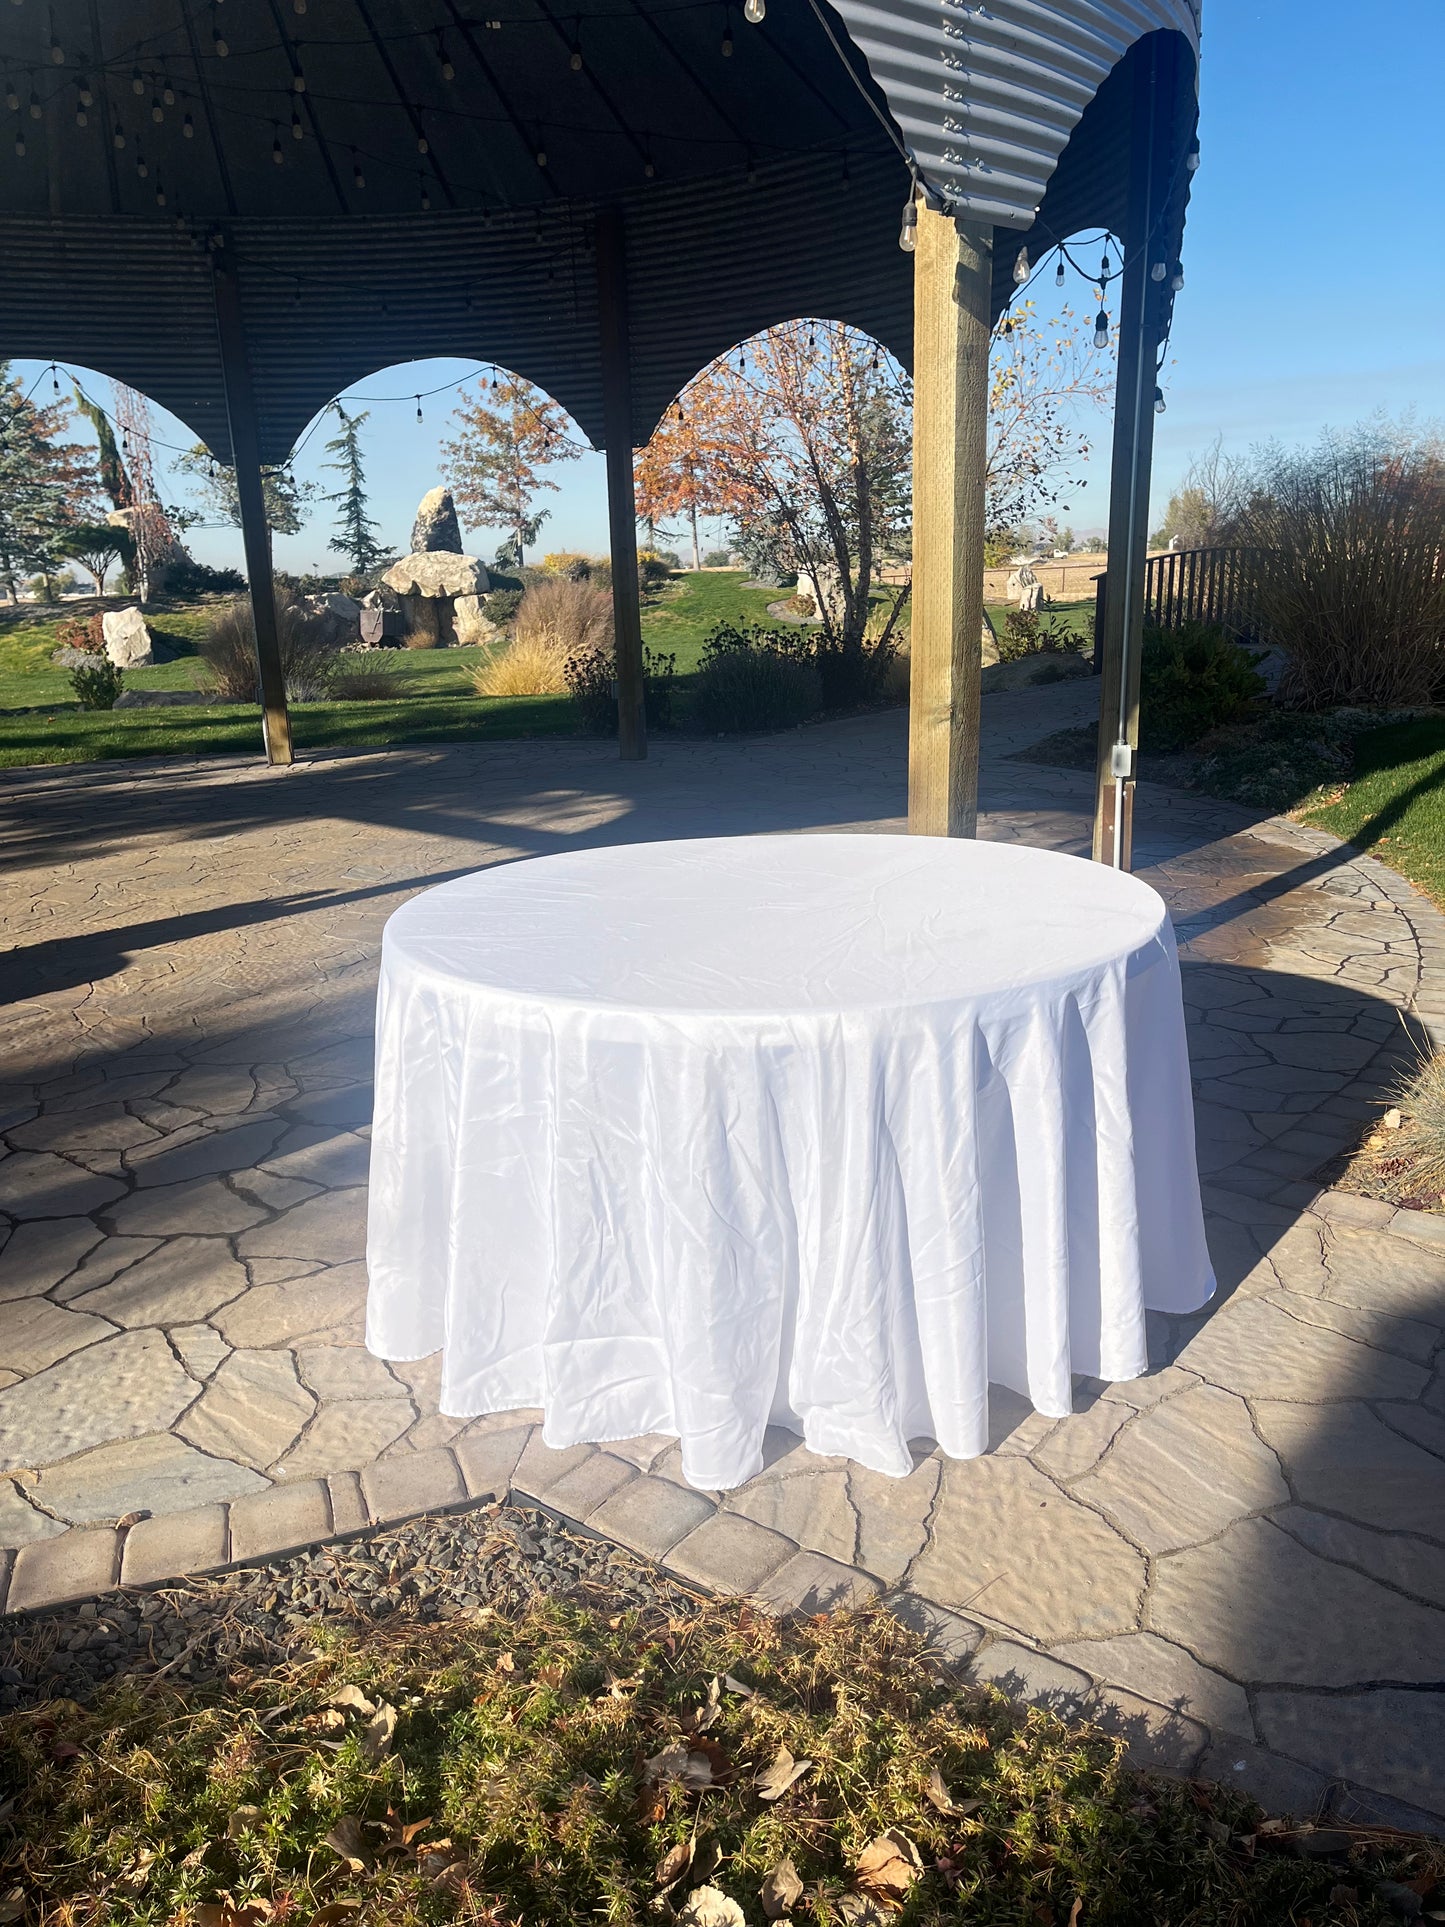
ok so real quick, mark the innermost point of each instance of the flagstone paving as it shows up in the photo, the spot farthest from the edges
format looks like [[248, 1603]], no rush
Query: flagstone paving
[[1239, 1558]]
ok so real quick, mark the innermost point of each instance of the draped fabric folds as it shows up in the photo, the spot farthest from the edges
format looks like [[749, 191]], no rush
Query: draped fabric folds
[[827, 1131]]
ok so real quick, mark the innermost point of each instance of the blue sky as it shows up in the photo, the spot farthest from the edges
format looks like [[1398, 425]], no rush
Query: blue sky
[[1315, 259]]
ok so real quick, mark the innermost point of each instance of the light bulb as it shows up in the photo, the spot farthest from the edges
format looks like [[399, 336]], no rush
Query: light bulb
[[137, 83], [298, 132], [188, 128], [82, 119], [423, 146], [1059, 273], [57, 54], [574, 60], [1158, 401], [141, 167], [1176, 280], [87, 98], [20, 147], [1158, 271], [425, 201], [1191, 159], [727, 43], [168, 94], [754, 11], [220, 45], [12, 99], [158, 113], [418, 407], [160, 196], [356, 174], [541, 157], [276, 155], [1101, 330], [648, 170], [118, 139], [908, 233], [1021, 267], [36, 110]]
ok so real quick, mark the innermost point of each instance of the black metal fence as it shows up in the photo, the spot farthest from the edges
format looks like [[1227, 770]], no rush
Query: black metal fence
[[1193, 585]]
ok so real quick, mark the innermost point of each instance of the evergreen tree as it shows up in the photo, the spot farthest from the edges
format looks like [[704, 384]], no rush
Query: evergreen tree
[[286, 498], [114, 477], [46, 485], [355, 530]]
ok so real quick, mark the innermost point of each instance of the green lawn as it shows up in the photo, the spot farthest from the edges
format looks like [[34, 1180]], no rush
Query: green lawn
[[1395, 802], [40, 721]]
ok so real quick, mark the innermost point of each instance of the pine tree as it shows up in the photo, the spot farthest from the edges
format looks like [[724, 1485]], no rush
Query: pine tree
[[46, 485], [355, 530]]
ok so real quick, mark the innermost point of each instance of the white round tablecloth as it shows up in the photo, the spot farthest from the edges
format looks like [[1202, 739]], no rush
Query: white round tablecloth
[[823, 1130]]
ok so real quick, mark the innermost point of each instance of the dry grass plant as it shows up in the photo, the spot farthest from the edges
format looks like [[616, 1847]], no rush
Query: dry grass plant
[[555, 619], [376, 685], [1350, 544], [308, 659]]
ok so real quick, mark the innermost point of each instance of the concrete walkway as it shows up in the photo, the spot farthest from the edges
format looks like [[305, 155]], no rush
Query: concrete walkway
[[1240, 1557]]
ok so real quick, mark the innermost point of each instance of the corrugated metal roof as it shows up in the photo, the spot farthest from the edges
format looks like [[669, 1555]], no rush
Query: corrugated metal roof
[[987, 95], [775, 188]]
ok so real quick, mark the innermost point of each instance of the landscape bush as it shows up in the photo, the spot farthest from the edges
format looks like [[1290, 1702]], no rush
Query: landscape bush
[[1350, 545], [530, 665], [1029, 632], [850, 675], [374, 685], [717, 559], [591, 678], [97, 684], [500, 605], [755, 689], [1192, 679], [308, 660], [188, 577], [654, 569], [84, 633]]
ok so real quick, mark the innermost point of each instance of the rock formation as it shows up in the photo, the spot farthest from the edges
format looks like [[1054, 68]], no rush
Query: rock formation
[[436, 528]]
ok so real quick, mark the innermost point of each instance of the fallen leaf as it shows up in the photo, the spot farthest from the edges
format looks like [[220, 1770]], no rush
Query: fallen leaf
[[242, 1818], [64, 1751], [709, 1710], [888, 1866], [505, 1663], [351, 1699], [1076, 1912], [348, 1842], [377, 1736], [938, 1795], [674, 1864], [862, 1910], [737, 1686], [691, 1766], [773, 1782], [331, 1720], [1391, 1121], [552, 1676], [707, 1907], [12, 1904], [781, 1891]]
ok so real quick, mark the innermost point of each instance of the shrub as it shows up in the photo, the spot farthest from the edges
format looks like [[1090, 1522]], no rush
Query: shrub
[[97, 685], [591, 677], [801, 605], [850, 675], [367, 686], [1350, 569], [564, 618], [653, 569], [529, 666], [502, 604], [717, 559], [191, 578], [755, 689], [228, 648], [1192, 679], [86, 633], [570, 563], [1028, 632]]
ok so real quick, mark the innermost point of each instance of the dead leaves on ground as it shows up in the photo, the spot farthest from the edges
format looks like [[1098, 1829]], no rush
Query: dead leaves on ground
[[781, 1891], [887, 1867], [772, 1782]]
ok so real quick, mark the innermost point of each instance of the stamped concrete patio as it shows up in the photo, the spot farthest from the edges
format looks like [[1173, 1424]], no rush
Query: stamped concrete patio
[[1241, 1557]]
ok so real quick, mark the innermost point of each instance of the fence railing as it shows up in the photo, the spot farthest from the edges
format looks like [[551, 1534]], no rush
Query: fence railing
[[1193, 585]]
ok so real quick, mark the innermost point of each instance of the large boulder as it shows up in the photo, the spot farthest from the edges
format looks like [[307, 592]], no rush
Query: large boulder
[[437, 572], [436, 529], [127, 639], [471, 623]]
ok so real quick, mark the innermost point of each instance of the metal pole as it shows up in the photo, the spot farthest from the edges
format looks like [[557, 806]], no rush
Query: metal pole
[[621, 495], [1142, 310], [255, 534]]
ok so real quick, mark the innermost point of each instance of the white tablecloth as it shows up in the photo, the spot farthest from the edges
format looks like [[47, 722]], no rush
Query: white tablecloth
[[828, 1130]]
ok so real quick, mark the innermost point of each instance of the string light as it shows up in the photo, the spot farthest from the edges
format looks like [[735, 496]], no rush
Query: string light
[[137, 82], [648, 170], [160, 195], [727, 39], [541, 157], [82, 87], [12, 98], [218, 41], [574, 58], [299, 5], [118, 137], [418, 407], [19, 147], [188, 128], [1159, 270], [1158, 401], [1059, 272], [57, 52], [1101, 329], [158, 113], [168, 93], [754, 11], [908, 233], [1021, 267], [1176, 280], [36, 110], [423, 145], [82, 119], [298, 132], [298, 80], [54, 380], [141, 167], [276, 155], [356, 174], [449, 72], [425, 197], [1104, 270], [1191, 159]]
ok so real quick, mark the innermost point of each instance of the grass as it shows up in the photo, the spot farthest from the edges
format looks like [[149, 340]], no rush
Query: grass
[[1394, 804], [522, 1769], [40, 721]]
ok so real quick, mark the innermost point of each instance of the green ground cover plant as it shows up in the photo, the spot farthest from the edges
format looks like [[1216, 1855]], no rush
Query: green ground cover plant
[[568, 1765], [1394, 802]]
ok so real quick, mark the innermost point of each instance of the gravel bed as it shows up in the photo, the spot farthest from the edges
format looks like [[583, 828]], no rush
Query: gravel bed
[[496, 1557]]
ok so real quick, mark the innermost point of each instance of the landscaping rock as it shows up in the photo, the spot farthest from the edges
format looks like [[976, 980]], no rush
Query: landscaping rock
[[470, 623], [127, 639], [434, 572], [436, 529]]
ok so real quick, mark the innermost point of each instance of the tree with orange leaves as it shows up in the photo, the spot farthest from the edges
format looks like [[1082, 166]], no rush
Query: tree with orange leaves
[[506, 435], [675, 476]]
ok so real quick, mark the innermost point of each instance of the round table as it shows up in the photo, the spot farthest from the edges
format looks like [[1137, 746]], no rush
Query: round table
[[826, 1131]]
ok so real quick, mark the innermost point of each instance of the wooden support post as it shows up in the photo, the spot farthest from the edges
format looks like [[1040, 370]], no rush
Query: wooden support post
[[952, 269], [1143, 310], [621, 498], [255, 534]]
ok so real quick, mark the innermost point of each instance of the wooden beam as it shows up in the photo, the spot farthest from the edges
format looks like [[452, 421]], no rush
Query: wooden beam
[[952, 273], [621, 497], [255, 535], [1143, 313]]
